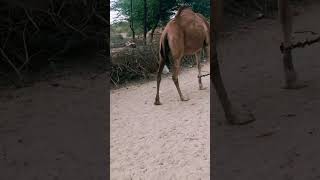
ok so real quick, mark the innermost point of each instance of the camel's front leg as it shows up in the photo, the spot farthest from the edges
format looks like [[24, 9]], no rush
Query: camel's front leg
[[160, 69], [285, 15]]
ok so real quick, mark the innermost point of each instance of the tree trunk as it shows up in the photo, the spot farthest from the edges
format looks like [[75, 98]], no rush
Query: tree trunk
[[153, 29], [145, 30], [131, 22], [157, 22]]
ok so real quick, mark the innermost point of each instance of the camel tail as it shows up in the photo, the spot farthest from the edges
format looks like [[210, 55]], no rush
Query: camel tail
[[165, 50]]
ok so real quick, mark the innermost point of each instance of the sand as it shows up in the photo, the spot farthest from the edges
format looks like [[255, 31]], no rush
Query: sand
[[54, 132], [284, 141], [170, 141], [49, 132]]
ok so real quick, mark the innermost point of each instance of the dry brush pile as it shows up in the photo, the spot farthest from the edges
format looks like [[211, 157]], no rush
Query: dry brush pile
[[129, 63], [34, 37]]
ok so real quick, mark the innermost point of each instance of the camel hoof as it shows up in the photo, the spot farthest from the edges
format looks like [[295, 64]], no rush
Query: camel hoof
[[202, 88], [243, 118], [185, 99], [157, 102]]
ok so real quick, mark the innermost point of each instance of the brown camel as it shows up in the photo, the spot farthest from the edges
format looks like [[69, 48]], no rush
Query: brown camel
[[231, 114], [172, 39], [187, 34]]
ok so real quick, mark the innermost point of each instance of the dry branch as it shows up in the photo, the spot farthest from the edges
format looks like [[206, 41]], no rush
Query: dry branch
[[33, 33]]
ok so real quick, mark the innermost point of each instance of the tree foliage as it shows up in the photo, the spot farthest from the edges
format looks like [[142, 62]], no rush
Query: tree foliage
[[159, 11], [200, 6]]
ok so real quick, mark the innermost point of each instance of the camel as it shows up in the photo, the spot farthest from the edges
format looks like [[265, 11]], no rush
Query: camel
[[172, 39], [186, 34], [233, 115]]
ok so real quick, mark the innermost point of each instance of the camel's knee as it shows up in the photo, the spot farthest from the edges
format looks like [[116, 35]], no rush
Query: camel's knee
[[199, 69], [175, 79], [200, 80], [158, 78], [159, 75], [160, 70]]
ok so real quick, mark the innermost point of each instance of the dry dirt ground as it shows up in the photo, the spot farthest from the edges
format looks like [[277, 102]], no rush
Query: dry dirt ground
[[47, 132], [170, 141], [283, 144], [53, 130]]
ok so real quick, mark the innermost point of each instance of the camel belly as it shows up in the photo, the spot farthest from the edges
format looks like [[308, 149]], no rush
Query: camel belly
[[194, 38], [191, 51], [193, 43]]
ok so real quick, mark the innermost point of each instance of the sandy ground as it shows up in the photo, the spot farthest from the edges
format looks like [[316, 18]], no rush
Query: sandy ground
[[50, 132], [283, 144], [170, 141], [53, 130]]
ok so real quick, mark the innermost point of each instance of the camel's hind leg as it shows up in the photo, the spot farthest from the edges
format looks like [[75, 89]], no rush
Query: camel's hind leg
[[176, 71], [285, 14], [161, 65], [198, 54]]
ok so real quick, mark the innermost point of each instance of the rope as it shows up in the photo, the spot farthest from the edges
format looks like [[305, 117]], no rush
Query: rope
[[299, 44], [204, 75]]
